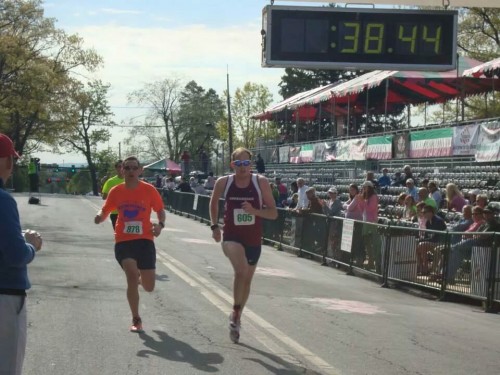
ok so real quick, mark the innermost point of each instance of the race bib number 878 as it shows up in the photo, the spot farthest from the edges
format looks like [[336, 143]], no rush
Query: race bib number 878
[[243, 218], [133, 227]]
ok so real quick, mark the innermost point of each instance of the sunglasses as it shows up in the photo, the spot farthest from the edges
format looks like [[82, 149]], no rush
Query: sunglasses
[[244, 163], [128, 168]]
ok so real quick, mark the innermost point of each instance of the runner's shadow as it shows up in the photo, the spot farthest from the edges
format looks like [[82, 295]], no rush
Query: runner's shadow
[[162, 278], [174, 350], [287, 368]]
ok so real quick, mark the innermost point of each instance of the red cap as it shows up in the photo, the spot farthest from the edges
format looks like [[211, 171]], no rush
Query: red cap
[[7, 147]]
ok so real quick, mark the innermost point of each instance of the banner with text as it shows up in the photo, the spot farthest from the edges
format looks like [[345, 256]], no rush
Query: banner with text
[[352, 149], [488, 143], [379, 148], [431, 143], [319, 152], [465, 139], [284, 154], [330, 151], [295, 154]]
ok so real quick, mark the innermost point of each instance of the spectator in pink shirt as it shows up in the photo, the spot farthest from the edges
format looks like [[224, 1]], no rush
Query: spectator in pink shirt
[[370, 236], [454, 198], [354, 206]]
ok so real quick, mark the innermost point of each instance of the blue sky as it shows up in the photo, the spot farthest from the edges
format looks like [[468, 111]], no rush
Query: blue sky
[[150, 40], [144, 41]]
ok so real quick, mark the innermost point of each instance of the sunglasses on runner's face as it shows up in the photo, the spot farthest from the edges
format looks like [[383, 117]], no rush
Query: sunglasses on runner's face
[[133, 168], [244, 163]]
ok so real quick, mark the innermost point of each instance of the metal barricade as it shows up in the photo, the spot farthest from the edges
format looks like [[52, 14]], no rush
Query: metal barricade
[[445, 262]]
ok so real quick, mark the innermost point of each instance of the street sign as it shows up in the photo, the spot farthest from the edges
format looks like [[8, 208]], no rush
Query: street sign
[[348, 38]]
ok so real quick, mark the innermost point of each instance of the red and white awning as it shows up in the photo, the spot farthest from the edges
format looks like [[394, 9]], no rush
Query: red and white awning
[[488, 69]]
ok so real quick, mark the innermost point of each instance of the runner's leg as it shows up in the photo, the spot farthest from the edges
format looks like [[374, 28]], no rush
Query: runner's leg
[[148, 278], [247, 284], [243, 272], [129, 266]]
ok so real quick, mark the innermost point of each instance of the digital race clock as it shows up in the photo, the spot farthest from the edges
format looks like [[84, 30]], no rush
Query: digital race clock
[[347, 38]]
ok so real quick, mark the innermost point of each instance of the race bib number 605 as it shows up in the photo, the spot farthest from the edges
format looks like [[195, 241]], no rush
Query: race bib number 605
[[243, 218], [133, 227]]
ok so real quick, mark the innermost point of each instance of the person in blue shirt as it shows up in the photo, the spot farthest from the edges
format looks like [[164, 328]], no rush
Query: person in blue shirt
[[16, 251], [384, 180], [412, 190]]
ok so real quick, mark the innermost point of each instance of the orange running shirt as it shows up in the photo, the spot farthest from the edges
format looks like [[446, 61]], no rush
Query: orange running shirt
[[134, 210]]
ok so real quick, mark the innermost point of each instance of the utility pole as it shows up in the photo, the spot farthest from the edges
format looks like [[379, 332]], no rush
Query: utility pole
[[229, 119]]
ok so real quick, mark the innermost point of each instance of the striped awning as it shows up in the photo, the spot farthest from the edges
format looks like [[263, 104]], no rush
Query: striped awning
[[489, 69]]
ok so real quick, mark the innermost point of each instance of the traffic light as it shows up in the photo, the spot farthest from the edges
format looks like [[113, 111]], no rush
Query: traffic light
[[56, 168], [73, 169]]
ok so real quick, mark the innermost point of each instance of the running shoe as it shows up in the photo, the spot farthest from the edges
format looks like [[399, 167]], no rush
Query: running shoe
[[234, 328], [136, 325]]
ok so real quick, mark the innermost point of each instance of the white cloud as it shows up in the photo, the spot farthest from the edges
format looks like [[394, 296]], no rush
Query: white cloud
[[135, 56], [119, 11]]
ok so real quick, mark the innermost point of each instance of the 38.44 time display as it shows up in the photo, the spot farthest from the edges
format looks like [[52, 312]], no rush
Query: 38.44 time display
[[307, 37]]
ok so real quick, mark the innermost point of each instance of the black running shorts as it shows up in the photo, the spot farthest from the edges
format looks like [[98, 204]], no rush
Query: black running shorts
[[252, 253], [142, 250]]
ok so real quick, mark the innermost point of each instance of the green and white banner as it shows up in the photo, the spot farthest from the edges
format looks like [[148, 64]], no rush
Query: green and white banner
[[352, 149], [379, 148], [488, 143], [306, 153], [431, 143]]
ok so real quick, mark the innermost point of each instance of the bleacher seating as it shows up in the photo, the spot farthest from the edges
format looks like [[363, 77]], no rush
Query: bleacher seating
[[463, 171]]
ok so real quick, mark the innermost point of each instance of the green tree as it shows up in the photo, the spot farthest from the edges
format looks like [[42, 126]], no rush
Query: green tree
[[479, 33], [182, 112], [90, 130], [479, 38], [104, 161], [251, 99], [36, 60], [161, 98], [199, 112]]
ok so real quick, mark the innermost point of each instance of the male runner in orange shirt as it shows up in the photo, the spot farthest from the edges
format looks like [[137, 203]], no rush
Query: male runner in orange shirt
[[134, 248]]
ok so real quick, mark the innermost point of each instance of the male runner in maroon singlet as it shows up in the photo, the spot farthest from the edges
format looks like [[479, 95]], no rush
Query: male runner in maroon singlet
[[248, 199]]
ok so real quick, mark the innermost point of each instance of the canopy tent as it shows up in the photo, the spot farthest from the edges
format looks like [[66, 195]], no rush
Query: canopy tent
[[382, 91], [164, 165], [287, 104], [490, 69], [386, 89]]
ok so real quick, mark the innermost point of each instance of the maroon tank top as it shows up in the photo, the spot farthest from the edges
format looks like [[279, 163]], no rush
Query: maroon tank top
[[238, 225]]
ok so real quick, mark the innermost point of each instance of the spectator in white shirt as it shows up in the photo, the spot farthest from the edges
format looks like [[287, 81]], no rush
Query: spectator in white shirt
[[303, 201]]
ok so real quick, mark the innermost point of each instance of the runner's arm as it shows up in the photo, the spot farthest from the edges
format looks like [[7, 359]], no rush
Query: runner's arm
[[217, 192], [103, 213], [161, 215], [105, 190]]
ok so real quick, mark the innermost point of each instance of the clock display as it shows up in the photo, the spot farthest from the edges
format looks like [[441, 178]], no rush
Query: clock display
[[346, 38]]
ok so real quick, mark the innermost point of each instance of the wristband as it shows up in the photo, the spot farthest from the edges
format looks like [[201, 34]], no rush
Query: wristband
[[161, 224], [214, 226]]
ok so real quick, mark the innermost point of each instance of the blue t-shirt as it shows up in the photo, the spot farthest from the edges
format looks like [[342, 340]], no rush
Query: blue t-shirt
[[15, 252]]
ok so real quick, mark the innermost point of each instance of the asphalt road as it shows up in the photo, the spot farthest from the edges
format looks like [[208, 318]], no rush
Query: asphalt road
[[302, 318]]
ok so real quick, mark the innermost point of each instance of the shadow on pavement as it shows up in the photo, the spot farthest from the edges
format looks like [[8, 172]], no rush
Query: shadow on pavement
[[174, 350], [287, 368], [162, 278]]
